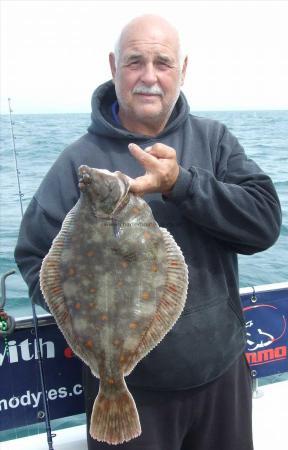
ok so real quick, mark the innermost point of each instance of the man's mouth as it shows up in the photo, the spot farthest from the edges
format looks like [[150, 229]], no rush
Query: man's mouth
[[148, 96]]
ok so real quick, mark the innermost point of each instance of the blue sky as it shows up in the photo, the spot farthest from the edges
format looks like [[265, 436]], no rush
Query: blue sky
[[54, 53]]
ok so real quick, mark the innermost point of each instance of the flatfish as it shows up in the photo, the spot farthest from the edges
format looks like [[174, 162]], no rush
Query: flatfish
[[116, 283]]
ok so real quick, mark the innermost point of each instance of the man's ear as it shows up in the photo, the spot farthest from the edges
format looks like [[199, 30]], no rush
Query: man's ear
[[183, 72], [112, 63]]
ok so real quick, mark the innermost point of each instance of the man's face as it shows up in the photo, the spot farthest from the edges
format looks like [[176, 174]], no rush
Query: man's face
[[147, 77]]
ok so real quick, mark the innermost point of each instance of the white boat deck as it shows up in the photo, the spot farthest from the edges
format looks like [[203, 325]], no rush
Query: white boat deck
[[270, 418]]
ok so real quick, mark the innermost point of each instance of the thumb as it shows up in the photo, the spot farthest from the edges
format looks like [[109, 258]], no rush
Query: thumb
[[140, 185]]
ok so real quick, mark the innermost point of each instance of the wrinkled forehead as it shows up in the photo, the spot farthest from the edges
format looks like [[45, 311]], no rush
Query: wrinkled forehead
[[149, 49], [150, 39]]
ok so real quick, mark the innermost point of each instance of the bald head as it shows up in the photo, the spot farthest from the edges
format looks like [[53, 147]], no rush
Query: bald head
[[149, 27]]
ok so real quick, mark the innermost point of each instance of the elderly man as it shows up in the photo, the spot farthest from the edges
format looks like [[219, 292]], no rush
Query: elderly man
[[193, 391]]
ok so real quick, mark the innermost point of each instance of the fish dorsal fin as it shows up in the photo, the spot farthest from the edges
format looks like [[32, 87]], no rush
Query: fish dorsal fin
[[51, 287], [170, 305]]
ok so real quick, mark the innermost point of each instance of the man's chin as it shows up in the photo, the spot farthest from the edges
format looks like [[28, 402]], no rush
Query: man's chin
[[148, 113]]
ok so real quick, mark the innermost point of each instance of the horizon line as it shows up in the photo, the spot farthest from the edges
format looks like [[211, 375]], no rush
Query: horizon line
[[191, 111]]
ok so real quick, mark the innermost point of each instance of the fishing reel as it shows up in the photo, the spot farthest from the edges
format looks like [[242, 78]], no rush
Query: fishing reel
[[7, 323]]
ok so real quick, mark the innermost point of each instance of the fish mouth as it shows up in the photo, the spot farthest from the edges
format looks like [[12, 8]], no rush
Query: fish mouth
[[84, 174]]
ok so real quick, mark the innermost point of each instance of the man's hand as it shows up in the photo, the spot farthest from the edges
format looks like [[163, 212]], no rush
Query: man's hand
[[161, 167]]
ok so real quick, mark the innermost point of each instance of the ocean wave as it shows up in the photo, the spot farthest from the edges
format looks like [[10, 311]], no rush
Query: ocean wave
[[283, 183], [284, 230]]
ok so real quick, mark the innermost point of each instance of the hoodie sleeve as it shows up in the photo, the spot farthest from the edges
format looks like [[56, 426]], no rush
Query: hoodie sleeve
[[42, 221], [37, 232], [238, 204]]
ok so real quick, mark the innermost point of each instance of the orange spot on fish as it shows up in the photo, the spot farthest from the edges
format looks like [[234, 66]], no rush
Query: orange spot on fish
[[77, 305], [124, 264], [146, 235], [135, 210], [89, 343], [119, 284], [104, 317], [90, 253], [133, 325], [110, 381], [154, 268], [92, 290], [145, 295], [71, 271]]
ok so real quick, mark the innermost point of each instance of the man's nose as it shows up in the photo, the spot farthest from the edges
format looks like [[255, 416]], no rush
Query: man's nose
[[148, 75]]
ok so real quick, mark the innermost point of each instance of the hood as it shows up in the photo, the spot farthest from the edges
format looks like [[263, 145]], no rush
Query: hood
[[103, 124]]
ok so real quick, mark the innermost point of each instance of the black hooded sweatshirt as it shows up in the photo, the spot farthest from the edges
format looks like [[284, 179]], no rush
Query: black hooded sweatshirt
[[222, 204]]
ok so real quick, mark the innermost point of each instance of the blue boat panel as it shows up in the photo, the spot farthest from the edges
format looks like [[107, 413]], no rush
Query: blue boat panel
[[266, 315], [21, 400]]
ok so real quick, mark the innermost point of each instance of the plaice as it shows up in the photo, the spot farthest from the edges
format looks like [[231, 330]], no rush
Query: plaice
[[116, 283]]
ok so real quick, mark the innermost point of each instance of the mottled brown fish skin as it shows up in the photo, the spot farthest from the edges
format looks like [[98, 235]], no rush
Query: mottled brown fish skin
[[121, 284]]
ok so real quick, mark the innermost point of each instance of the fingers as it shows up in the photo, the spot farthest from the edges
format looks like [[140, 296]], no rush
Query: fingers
[[158, 150], [162, 151], [148, 161], [161, 168]]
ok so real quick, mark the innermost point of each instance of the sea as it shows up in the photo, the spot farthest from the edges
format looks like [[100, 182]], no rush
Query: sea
[[40, 138]]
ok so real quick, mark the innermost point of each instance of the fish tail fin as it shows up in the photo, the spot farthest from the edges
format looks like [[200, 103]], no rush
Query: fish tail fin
[[114, 416]]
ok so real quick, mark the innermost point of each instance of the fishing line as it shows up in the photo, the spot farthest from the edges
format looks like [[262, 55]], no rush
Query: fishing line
[[35, 319]]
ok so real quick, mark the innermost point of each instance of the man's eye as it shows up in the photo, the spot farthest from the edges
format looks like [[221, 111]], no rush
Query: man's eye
[[133, 63], [163, 65]]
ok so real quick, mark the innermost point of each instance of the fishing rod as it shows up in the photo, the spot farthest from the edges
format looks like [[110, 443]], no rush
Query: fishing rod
[[35, 319]]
